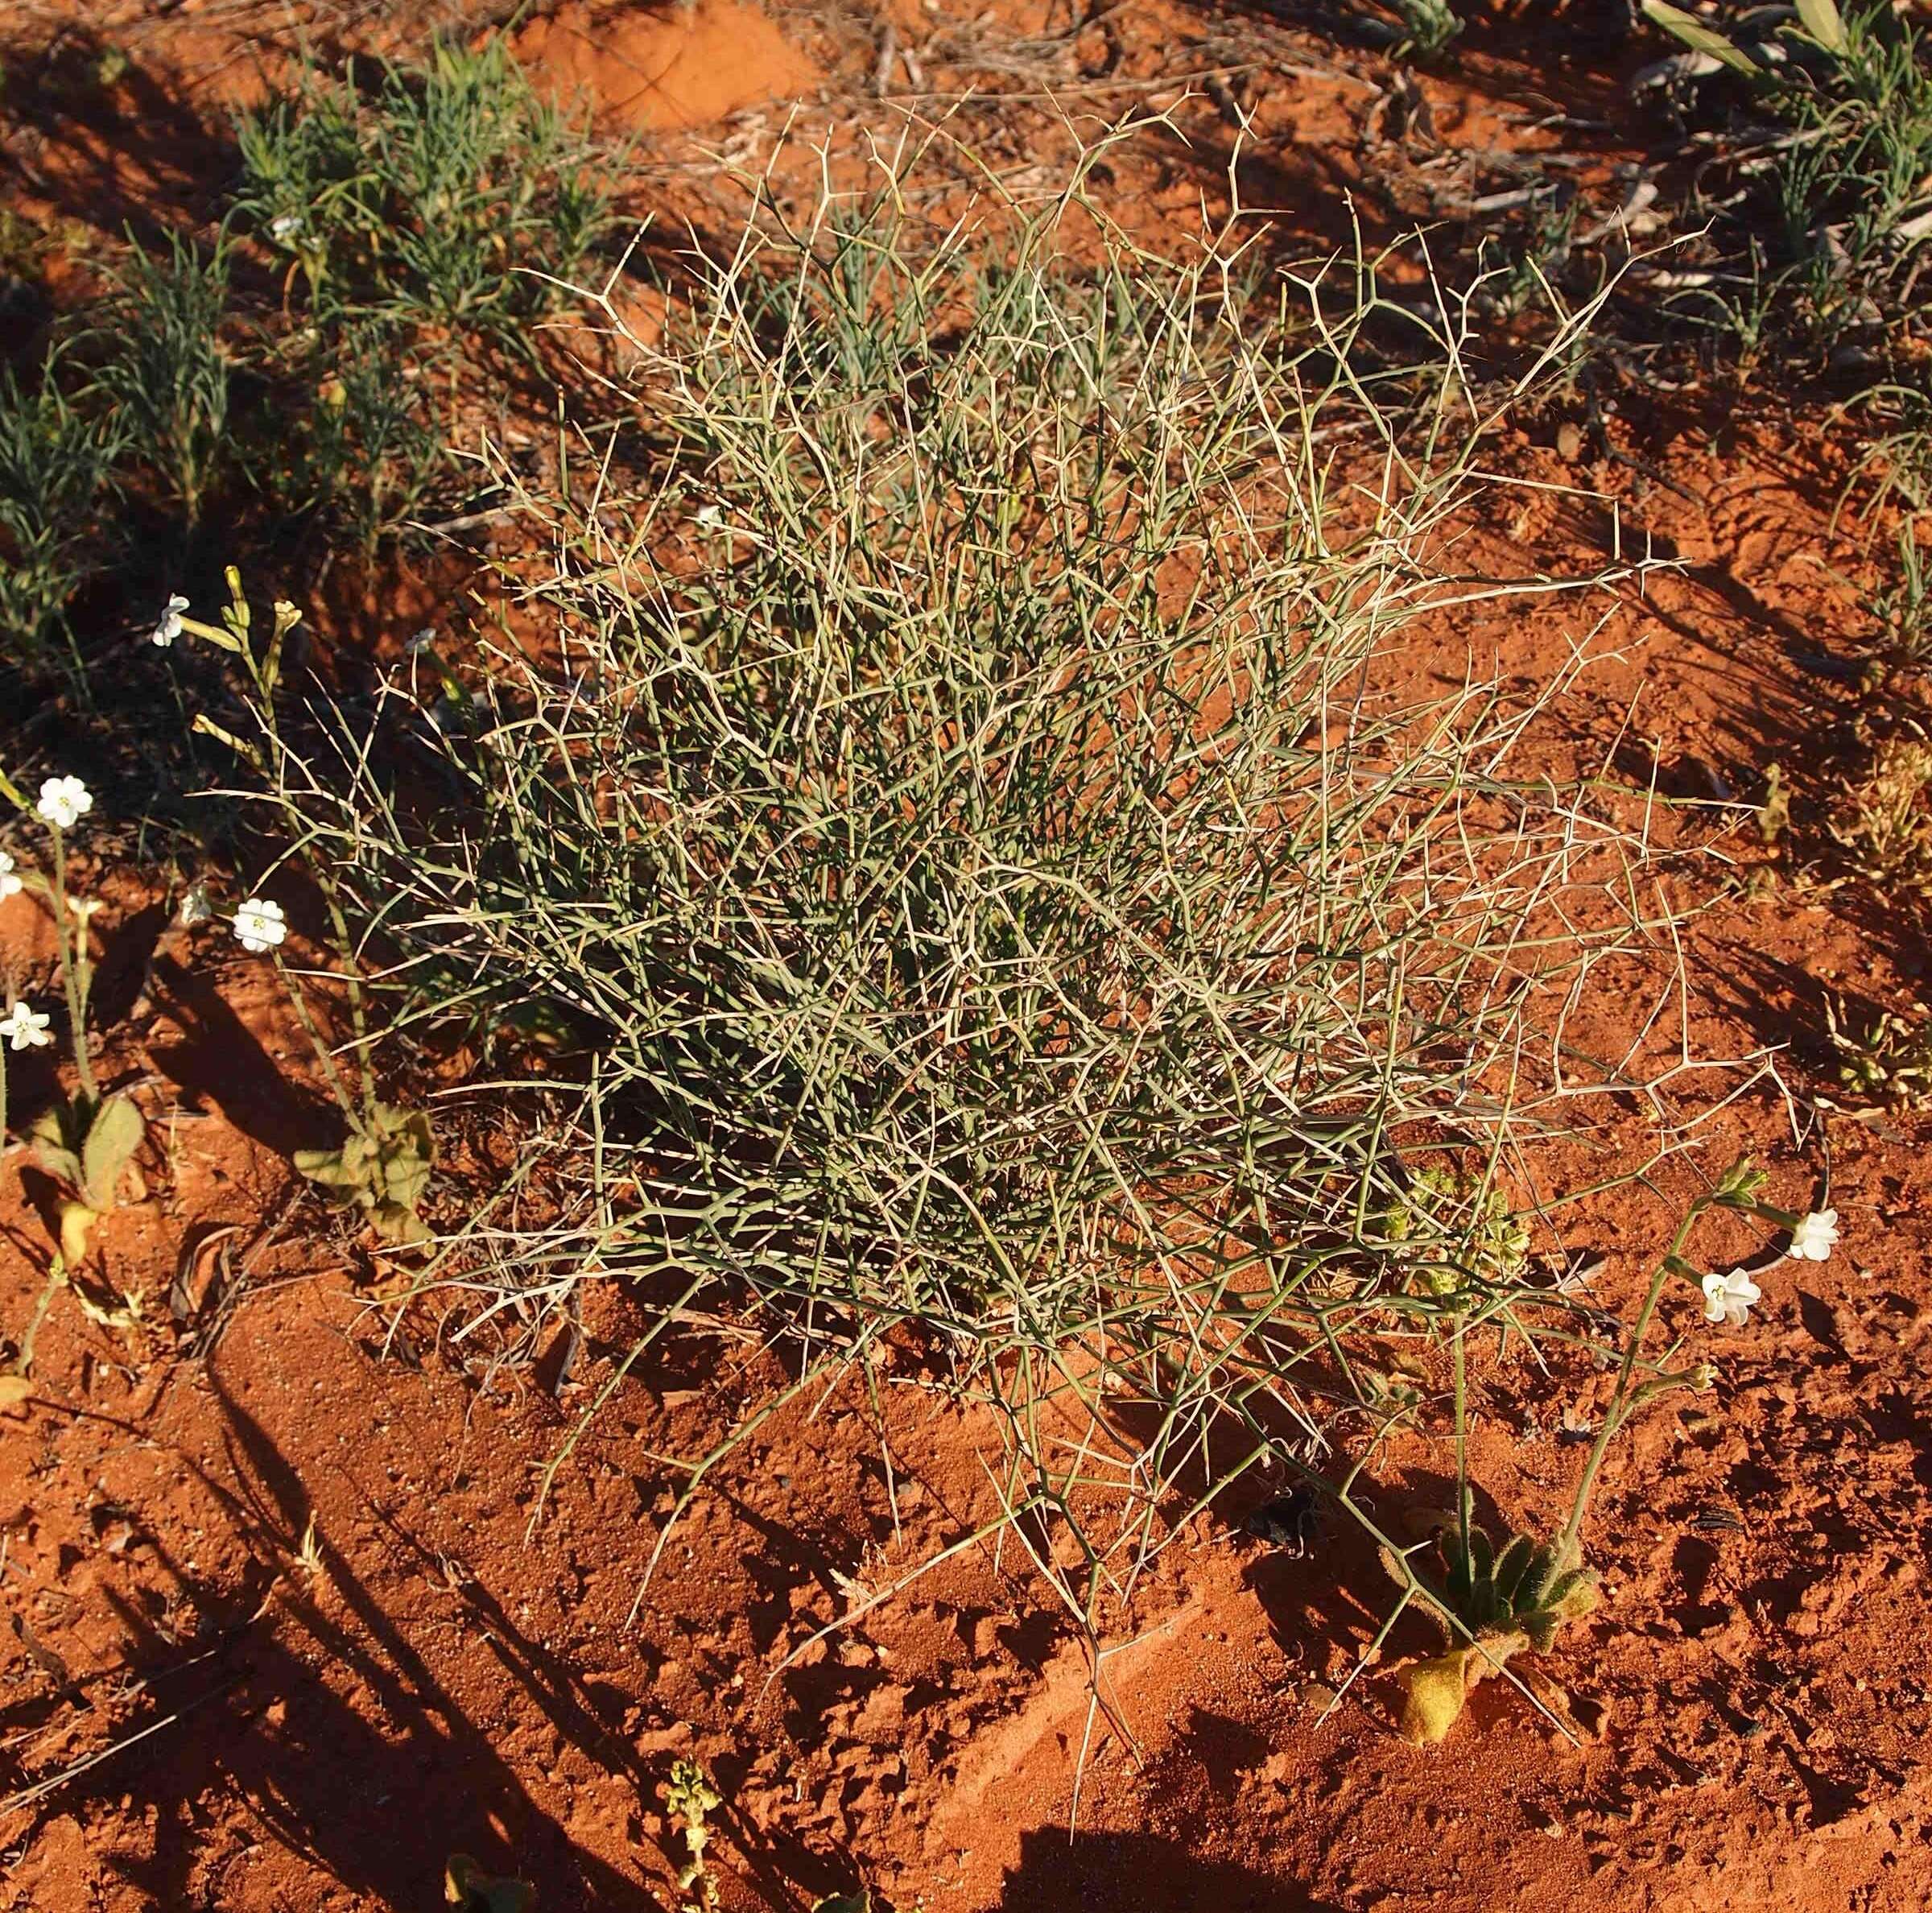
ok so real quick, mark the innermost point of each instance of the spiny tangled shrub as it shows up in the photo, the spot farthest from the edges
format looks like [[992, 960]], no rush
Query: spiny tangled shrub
[[972, 816]]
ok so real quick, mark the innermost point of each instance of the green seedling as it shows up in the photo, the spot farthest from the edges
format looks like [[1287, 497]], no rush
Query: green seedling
[[1888, 1061], [1904, 608], [372, 446], [88, 1144], [162, 369], [1428, 27], [1489, 1605], [1881, 824], [690, 1799], [1469, 1226], [382, 1169], [56, 477]]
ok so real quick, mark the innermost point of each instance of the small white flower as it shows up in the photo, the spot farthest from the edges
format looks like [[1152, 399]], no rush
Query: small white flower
[[65, 801], [423, 640], [284, 226], [9, 884], [195, 907], [25, 1028], [710, 517], [259, 924], [1728, 1298], [85, 909], [1812, 1238], [165, 633]]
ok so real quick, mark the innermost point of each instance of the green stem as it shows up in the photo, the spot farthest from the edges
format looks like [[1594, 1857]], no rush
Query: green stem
[[1617, 1412], [72, 960], [357, 1015], [316, 1044]]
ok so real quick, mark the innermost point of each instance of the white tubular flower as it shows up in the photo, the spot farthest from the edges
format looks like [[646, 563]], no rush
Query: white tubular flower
[[424, 640], [1813, 1236], [65, 801], [165, 633], [10, 882], [1728, 1298], [284, 226], [85, 909], [25, 1028], [259, 924]]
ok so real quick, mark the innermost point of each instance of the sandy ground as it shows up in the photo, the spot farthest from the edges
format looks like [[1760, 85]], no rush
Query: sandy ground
[[289, 1618]]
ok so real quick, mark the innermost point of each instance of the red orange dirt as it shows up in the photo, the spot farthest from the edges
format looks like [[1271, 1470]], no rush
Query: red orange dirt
[[290, 1615]]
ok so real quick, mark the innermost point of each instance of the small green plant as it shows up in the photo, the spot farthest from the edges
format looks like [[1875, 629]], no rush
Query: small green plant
[[1886, 1059], [1881, 821], [453, 194], [1442, 1213], [382, 1168], [1427, 27], [383, 1165], [162, 370], [1493, 1602], [690, 1798], [56, 477], [89, 1140], [1904, 608], [371, 445]]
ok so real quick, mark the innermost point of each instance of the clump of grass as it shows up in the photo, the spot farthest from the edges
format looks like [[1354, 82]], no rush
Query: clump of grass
[[1881, 822], [1828, 205], [453, 193], [425, 228], [164, 372], [1012, 891], [57, 485]]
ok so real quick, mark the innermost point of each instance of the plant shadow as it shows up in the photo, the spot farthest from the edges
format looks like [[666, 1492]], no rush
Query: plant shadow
[[1110, 1873], [219, 1061], [349, 1750]]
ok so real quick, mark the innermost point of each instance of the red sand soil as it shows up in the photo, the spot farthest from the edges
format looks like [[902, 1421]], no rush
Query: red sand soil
[[288, 1620], [677, 66]]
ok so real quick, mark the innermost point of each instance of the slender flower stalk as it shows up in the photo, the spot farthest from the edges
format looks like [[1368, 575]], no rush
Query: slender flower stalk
[[64, 802]]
